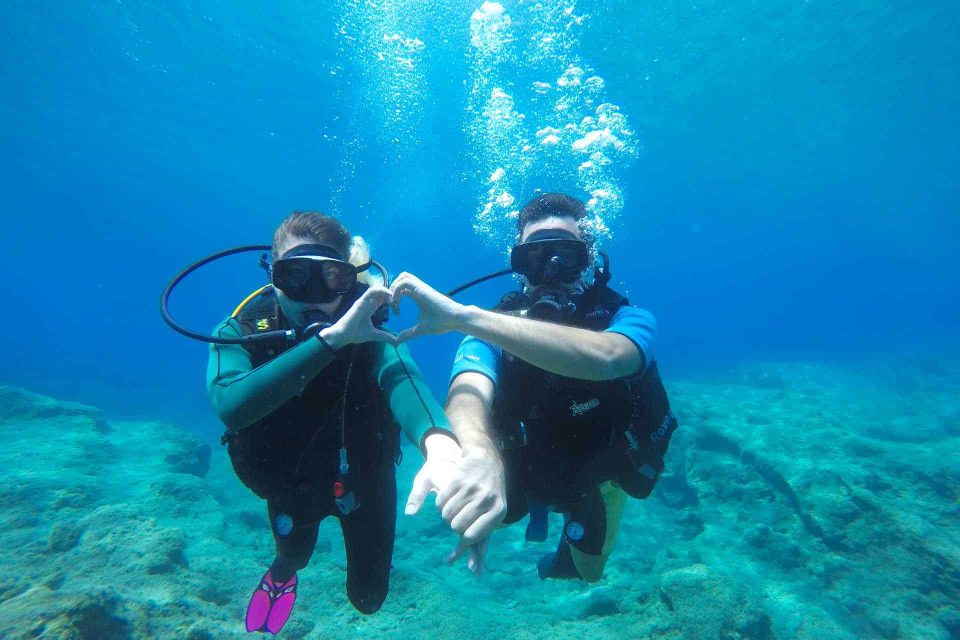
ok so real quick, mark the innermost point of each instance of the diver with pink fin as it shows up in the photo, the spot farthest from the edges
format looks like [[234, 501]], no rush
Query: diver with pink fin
[[314, 394]]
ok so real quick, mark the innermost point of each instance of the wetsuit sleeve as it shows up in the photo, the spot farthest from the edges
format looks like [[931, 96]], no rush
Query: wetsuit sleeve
[[413, 406], [241, 394], [640, 327], [478, 356]]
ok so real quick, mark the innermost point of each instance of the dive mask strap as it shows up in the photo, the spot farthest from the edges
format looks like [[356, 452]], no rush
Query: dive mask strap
[[602, 275], [314, 250]]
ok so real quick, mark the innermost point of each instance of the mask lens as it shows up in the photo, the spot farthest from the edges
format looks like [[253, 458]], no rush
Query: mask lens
[[291, 274], [306, 279], [339, 276], [552, 260]]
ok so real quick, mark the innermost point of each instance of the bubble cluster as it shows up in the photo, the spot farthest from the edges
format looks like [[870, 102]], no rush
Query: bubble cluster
[[383, 42], [556, 133], [490, 29]]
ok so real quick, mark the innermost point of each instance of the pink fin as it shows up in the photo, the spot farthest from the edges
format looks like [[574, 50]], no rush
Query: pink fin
[[258, 609], [271, 604], [280, 612]]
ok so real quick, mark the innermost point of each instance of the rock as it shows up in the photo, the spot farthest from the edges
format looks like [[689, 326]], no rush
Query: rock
[[11, 587], [181, 495], [167, 552], [95, 615], [55, 580], [64, 535], [674, 490], [81, 495], [253, 520], [886, 625], [118, 540], [691, 525], [949, 619], [707, 605], [757, 626], [599, 601], [193, 459], [20, 405], [757, 535]]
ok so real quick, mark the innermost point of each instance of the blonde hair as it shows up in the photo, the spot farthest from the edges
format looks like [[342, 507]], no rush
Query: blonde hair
[[359, 256]]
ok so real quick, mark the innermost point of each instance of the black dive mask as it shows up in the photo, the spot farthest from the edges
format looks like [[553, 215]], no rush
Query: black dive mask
[[550, 256], [314, 273]]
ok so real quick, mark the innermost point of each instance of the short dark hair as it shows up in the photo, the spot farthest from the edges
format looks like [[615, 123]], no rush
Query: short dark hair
[[548, 205], [313, 226]]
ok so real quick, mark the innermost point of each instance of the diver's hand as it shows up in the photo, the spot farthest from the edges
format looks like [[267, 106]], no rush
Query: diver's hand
[[356, 325], [474, 504], [438, 313], [443, 457], [470, 496]]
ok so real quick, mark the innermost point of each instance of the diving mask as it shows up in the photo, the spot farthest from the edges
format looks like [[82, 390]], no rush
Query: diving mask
[[550, 256], [314, 273]]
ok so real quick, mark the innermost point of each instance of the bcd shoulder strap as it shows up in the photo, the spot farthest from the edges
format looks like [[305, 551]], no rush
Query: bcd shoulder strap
[[260, 315]]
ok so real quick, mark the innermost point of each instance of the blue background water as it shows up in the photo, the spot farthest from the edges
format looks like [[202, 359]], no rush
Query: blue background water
[[796, 195]]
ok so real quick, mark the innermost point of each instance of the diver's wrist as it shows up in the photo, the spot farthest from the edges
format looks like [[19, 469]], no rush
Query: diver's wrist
[[477, 443], [467, 320], [441, 444], [332, 337]]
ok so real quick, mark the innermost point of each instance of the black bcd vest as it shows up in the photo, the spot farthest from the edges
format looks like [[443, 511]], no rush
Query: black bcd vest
[[299, 441], [571, 435]]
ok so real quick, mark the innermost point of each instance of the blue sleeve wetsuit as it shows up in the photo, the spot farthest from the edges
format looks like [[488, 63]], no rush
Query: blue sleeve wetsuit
[[482, 357]]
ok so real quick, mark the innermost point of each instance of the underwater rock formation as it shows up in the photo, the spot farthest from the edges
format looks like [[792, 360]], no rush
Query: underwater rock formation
[[800, 501]]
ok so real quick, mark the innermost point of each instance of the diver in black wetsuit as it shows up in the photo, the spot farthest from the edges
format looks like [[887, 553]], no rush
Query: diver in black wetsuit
[[313, 429], [554, 396]]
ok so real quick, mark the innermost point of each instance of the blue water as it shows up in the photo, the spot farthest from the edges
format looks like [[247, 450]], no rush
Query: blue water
[[790, 189]]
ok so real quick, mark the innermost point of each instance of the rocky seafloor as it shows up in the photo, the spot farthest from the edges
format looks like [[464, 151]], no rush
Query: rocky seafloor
[[812, 501]]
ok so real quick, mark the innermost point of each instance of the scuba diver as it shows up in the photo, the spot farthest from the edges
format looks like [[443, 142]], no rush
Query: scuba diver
[[554, 397], [312, 422]]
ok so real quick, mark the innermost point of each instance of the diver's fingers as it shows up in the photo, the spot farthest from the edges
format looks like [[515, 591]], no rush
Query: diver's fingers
[[406, 284], [472, 561], [462, 547], [477, 554], [422, 485], [378, 335], [372, 299], [445, 494], [376, 295], [408, 334], [483, 526], [465, 518], [450, 507], [398, 286], [394, 293]]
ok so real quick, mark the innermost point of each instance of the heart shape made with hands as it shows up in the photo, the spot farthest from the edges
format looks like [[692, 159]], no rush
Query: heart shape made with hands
[[438, 314]]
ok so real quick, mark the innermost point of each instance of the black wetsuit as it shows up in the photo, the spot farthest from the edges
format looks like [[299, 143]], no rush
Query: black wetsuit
[[574, 446], [359, 401]]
